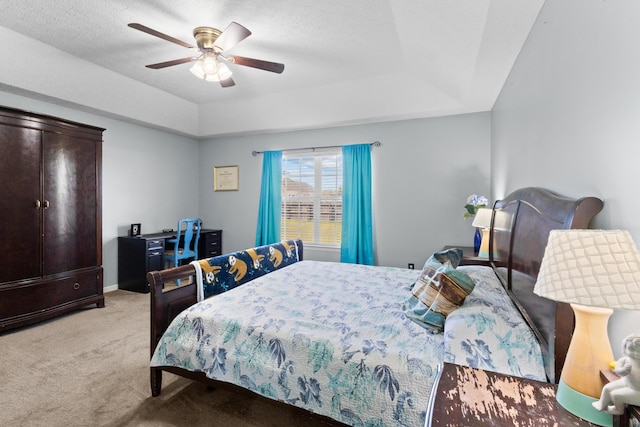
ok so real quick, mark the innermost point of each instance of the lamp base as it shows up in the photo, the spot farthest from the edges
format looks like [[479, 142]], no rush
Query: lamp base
[[580, 405], [483, 252]]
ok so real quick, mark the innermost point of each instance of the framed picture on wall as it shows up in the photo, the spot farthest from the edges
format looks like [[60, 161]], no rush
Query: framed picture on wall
[[135, 230], [226, 178]]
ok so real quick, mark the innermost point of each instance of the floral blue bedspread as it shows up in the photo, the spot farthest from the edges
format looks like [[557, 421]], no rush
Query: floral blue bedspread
[[332, 338]]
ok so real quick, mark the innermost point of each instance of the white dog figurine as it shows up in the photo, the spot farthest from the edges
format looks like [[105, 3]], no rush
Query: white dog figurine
[[626, 390]]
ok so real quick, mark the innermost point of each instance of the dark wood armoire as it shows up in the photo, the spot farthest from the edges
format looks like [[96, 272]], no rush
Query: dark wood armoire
[[50, 217]]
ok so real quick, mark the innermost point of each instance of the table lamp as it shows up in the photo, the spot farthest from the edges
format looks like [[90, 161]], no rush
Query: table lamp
[[483, 220], [595, 271]]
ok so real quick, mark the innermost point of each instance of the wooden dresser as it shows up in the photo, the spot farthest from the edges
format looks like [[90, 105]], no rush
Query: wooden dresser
[[50, 217]]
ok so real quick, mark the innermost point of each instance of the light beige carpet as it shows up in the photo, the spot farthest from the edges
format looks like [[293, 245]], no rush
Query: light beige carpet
[[91, 368]]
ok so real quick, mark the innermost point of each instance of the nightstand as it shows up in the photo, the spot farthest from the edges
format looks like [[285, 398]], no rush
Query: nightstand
[[469, 257], [464, 396]]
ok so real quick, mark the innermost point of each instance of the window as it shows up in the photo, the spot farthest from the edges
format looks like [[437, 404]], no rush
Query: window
[[312, 197]]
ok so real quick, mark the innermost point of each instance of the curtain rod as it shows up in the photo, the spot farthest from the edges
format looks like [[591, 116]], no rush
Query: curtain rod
[[374, 144]]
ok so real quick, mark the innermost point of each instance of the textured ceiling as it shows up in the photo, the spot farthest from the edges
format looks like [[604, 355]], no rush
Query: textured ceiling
[[411, 58]]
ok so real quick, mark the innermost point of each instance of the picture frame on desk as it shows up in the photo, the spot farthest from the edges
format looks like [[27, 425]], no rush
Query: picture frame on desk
[[135, 230], [226, 178]]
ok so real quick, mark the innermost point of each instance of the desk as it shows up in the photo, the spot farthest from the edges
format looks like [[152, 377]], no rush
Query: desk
[[138, 255]]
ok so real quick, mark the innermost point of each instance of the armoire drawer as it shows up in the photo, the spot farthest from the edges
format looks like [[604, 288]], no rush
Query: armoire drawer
[[41, 296]]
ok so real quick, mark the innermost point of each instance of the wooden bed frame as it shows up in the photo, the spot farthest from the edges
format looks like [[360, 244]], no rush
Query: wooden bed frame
[[169, 300], [520, 229]]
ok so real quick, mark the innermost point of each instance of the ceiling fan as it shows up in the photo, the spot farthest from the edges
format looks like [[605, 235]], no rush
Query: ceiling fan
[[210, 64]]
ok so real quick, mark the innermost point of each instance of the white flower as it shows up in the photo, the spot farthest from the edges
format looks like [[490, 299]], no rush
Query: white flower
[[474, 203], [477, 200]]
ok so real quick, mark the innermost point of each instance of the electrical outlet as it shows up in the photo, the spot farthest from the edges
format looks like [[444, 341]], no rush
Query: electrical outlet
[[411, 266]]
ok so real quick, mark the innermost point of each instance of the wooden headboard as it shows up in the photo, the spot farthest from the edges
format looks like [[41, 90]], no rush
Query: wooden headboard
[[520, 229]]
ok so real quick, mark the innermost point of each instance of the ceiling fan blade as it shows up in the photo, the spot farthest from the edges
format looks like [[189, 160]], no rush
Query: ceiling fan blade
[[153, 32], [274, 67], [228, 82], [231, 36], [171, 63]]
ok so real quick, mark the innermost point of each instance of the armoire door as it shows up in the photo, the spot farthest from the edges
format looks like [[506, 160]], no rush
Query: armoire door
[[20, 203], [69, 203]]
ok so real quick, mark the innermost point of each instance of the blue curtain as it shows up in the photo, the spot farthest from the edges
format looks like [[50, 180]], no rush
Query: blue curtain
[[268, 230], [357, 223]]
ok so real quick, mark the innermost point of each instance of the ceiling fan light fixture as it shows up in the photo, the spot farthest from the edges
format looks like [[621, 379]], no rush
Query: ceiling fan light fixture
[[208, 68], [223, 71], [198, 69], [204, 66], [212, 43], [210, 63]]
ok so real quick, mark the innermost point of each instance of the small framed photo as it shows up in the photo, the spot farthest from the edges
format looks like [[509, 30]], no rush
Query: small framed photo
[[226, 178], [135, 230]]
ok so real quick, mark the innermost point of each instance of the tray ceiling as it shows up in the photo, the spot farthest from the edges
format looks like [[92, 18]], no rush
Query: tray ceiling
[[345, 62]]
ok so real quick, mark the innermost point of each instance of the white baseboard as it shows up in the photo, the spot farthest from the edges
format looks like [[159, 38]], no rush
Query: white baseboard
[[110, 288]]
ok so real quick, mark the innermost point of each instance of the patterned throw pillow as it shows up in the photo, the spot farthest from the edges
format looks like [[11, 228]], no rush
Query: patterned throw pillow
[[228, 271], [439, 290]]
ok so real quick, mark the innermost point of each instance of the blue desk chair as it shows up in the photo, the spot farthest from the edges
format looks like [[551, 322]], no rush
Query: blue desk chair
[[188, 234]]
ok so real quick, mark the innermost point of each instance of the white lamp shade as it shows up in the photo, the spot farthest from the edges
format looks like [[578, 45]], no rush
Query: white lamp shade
[[482, 218], [598, 268]]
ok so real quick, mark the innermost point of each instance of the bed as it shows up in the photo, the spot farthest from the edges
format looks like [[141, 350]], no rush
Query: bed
[[339, 341]]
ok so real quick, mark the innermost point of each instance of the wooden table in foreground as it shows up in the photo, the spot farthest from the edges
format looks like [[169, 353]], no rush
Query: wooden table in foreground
[[472, 397]]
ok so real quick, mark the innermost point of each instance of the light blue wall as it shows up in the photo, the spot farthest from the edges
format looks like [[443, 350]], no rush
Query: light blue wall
[[568, 117], [422, 175], [148, 176]]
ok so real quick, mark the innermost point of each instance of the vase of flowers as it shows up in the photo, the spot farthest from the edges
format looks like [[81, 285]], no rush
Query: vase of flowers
[[474, 203]]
